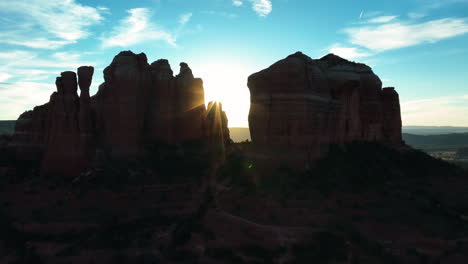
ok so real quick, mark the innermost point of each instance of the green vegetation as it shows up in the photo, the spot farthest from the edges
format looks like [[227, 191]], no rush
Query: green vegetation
[[445, 142], [357, 166]]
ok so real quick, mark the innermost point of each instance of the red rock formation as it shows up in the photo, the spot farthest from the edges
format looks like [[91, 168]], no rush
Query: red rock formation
[[310, 103], [85, 76], [29, 137], [217, 122], [120, 104], [391, 114], [63, 153], [178, 111], [137, 103]]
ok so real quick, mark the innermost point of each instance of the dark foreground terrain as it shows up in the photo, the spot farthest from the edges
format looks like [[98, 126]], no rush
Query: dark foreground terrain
[[363, 203]]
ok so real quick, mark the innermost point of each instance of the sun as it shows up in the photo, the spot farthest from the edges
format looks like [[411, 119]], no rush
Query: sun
[[227, 83]]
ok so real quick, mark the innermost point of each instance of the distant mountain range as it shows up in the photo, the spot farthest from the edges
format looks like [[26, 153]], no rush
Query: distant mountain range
[[242, 133], [430, 138], [425, 138], [433, 130]]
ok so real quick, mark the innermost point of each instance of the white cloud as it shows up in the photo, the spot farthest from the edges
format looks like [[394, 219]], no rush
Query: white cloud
[[27, 78], [262, 7], [217, 13], [185, 18], [15, 98], [349, 53], [4, 76], [13, 55], [381, 19], [137, 28], [35, 43], [14, 60], [434, 4], [237, 2], [46, 24], [399, 35], [416, 15], [440, 111], [66, 56]]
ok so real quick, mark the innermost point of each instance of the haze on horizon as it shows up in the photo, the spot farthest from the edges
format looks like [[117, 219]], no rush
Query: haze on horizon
[[418, 46]]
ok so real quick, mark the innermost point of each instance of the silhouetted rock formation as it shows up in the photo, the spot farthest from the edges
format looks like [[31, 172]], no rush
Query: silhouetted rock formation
[[310, 104], [137, 103], [217, 122], [63, 153]]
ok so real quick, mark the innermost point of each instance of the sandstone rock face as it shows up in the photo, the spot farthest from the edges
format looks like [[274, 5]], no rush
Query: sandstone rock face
[[310, 104], [177, 110], [391, 114], [137, 103], [29, 138], [63, 151], [217, 122], [120, 104]]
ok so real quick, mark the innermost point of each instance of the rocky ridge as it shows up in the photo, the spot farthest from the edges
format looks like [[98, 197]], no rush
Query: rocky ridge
[[137, 103]]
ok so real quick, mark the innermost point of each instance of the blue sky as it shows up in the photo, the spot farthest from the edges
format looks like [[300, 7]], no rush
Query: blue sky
[[418, 46]]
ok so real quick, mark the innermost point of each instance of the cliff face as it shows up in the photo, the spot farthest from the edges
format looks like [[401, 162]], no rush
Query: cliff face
[[138, 102], [309, 104]]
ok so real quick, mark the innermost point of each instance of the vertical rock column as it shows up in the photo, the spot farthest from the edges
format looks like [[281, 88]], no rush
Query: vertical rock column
[[160, 125], [63, 150], [121, 104], [85, 76], [216, 130], [391, 115], [190, 105]]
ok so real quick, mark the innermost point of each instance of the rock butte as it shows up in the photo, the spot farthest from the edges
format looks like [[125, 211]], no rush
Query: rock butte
[[299, 103], [310, 104], [137, 103]]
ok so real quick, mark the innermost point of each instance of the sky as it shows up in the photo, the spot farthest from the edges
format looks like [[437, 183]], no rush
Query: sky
[[418, 46]]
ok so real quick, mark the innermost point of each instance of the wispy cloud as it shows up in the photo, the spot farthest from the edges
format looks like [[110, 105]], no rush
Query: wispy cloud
[[27, 77], [4, 76], [433, 4], [15, 98], [136, 28], [25, 66], [416, 15], [440, 111], [46, 24], [349, 53], [185, 18], [262, 7], [220, 13], [381, 19], [237, 2], [398, 35]]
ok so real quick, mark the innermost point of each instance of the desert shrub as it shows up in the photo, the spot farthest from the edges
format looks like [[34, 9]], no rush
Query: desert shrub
[[237, 171], [359, 166]]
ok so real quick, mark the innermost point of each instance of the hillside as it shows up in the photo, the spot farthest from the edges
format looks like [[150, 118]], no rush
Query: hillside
[[447, 142], [354, 207], [7, 126]]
